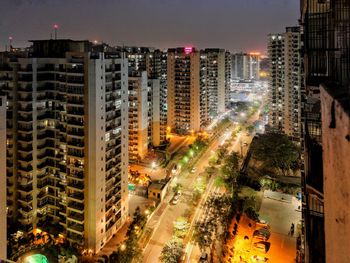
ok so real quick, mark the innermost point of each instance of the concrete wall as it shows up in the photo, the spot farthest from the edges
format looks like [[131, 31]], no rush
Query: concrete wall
[[3, 227], [195, 92], [95, 161], [336, 167]]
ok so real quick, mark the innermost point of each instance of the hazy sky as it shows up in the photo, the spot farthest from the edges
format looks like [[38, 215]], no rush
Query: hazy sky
[[232, 24]]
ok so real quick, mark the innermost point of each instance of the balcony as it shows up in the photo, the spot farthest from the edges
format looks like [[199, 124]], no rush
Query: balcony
[[76, 217], [79, 186], [77, 196], [26, 159], [76, 206], [22, 118]]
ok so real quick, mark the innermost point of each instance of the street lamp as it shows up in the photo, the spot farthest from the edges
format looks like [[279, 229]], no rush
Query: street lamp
[[123, 247], [153, 165]]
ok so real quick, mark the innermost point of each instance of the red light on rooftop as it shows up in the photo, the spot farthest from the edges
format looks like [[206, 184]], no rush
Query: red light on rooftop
[[10, 38], [55, 26], [188, 50]]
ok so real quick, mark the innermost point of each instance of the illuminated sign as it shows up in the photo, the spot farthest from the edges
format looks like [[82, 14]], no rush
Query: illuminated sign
[[188, 50]]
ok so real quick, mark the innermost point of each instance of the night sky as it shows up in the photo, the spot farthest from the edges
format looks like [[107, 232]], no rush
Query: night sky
[[232, 24]]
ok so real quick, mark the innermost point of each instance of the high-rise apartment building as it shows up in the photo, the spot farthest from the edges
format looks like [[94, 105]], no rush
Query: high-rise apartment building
[[285, 84], [213, 79], [245, 66], [3, 201], [138, 116], [157, 70], [187, 104], [67, 140], [154, 63], [325, 45]]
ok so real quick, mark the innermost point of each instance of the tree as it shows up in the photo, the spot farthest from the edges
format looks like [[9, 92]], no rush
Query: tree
[[221, 152], [275, 150], [229, 171], [203, 235], [181, 227], [172, 251]]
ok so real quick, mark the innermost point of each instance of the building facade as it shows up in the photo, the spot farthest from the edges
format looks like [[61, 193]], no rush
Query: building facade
[[187, 105], [213, 78], [138, 117], [245, 66], [335, 106], [3, 181], [325, 46], [285, 83], [67, 137], [154, 63]]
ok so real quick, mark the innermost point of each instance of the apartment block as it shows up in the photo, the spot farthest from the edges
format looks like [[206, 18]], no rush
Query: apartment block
[[138, 116], [213, 80], [285, 83], [154, 63], [187, 106], [246, 66], [67, 140]]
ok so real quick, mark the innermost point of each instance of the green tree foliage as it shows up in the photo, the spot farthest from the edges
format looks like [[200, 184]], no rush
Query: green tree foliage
[[275, 150], [172, 252], [132, 249], [229, 170], [181, 227]]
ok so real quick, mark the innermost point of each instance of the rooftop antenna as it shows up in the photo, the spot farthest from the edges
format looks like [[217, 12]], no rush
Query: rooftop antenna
[[55, 28]]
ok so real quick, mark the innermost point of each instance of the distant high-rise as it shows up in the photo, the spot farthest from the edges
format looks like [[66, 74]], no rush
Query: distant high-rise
[[138, 116], [187, 105], [245, 66], [67, 140], [214, 79], [285, 85], [154, 63]]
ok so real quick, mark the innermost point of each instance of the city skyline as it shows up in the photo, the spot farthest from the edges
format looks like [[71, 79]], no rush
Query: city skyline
[[160, 24]]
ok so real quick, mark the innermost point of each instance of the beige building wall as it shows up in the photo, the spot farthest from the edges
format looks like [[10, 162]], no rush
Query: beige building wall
[[221, 82], [183, 71], [143, 116], [195, 109], [95, 172], [3, 226], [336, 174], [171, 89], [155, 125], [96, 225], [138, 116]]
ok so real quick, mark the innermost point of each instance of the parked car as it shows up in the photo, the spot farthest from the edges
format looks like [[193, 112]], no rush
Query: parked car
[[194, 169], [262, 234], [203, 258], [262, 246]]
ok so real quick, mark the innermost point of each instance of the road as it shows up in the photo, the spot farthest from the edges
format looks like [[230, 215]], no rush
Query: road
[[163, 224], [164, 230]]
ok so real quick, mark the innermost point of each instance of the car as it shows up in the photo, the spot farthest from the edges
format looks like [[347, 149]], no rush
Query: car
[[262, 234], [262, 246], [174, 201], [203, 258], [194, 169]]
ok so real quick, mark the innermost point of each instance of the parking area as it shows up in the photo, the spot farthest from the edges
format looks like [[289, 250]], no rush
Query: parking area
[[271, 242]]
